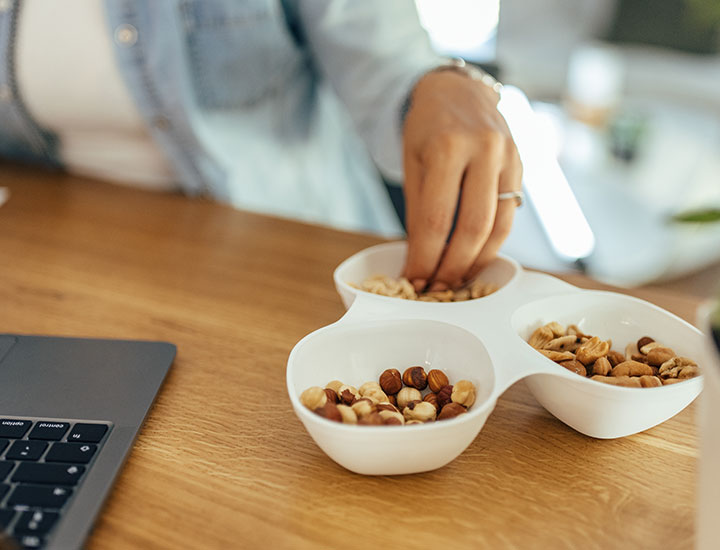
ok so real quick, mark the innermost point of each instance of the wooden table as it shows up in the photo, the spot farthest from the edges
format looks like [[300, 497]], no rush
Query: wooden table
[[224, 463]]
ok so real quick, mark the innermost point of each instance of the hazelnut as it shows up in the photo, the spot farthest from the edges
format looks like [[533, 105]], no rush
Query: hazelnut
[[334, 385], [331, 395], [463, 393], [376, 395], [645, 340], [372, 419], [348, 415], [575, 366], [451, 410], [313, 397], [329, 411], [444, 396], [363, 407], [367, 387], [432, 399], [392, 417], [392, 400], [415, 377], [391, 381], [422, 411], [436, 379], [347, 394], [406, 395], [386, 407], [411, 422]]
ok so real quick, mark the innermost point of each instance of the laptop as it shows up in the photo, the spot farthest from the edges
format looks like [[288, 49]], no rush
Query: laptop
[[70, 410]]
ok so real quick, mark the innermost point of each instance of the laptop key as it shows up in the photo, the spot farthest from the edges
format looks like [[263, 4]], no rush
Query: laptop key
[[13, 429], [49, 431], [4, 443], [4, 488], [78, 453], [53, 474], [5, 467], [87, 433], [36, 522], [6, 516], [31, 542], [26, 450], [37, 496]]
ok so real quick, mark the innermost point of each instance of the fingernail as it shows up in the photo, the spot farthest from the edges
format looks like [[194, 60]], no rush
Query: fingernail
[[419, 284], [438, 286]]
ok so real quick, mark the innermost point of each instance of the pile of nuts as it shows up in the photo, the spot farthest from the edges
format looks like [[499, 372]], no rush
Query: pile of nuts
[[402, 288], [394, 400], [645, 363]]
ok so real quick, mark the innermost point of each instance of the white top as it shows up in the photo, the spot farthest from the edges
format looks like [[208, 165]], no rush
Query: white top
[[67, 75]]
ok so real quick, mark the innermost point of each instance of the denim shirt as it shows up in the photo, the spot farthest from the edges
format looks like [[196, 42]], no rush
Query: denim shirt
[[287, 107]]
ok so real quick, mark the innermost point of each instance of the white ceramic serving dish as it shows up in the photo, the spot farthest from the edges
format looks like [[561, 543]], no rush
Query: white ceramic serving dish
[[482, 340]]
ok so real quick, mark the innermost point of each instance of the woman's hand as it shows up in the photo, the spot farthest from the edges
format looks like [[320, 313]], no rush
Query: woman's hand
[[456, 140]]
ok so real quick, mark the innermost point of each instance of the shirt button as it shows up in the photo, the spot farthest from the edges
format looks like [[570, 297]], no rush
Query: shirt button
[[5, 5], [125, 34], [161, 123], [5, 91]]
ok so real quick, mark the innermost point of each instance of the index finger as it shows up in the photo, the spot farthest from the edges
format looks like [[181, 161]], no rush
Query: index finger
[[431, 201]]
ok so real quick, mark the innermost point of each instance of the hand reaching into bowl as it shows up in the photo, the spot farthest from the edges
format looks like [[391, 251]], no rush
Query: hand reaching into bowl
[[456, 140]]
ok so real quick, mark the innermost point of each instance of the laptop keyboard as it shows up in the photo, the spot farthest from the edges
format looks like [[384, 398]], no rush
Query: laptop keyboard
[[42, 464]]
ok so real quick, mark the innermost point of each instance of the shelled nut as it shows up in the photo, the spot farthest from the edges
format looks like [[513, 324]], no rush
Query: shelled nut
[[391, 381], [415, 377], [436, 379], [451, 410], [406, 395], [422, 411], [348, 415], [463, 393], [313, 397], [444, 396]]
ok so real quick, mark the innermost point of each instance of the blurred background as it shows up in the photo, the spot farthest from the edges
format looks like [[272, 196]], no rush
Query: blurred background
[[617, 118]]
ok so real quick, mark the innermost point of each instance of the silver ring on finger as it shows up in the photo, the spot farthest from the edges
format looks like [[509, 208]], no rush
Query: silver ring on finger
[[517, 196]]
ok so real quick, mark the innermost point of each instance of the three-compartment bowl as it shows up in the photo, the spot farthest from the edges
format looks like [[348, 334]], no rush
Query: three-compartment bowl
[[484, 341]]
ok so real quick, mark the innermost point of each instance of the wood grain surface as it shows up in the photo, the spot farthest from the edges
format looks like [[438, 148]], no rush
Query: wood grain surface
[[223, 462]]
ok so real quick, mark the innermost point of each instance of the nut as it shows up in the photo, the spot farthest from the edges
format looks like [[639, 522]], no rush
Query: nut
[[574, 366], [650, 381], [657, 356], [348, 415], [367, 387], [415, 377], [376, 395], [444, 396], [334, 385], [650, 346], [363, 407], [630, 350], [432, 399], [451, 410], [592, 350], [411, 422], [386, 407], [573, 329], [563, 343], [392, 400], [689, 372], [639, 357], [330, 411], [668, 381], [372, 419], [436, 379], [557, 356], [540, 337], [313, 397], [347, 394], [331, 395], [392, 417], [627, 381], [615, 357], [643, 342], [557, 329], [406, 395], [602, 366], [674, 363], [631, 368], [463, 393], [391, 381], [422, 411]]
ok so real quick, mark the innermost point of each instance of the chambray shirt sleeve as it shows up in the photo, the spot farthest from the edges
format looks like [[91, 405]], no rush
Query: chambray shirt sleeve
[[372, 52]]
